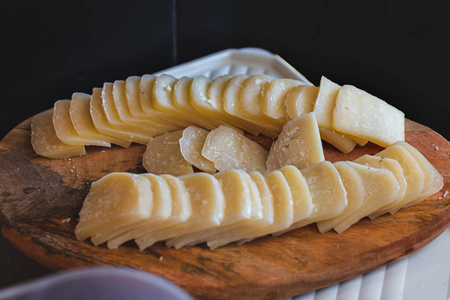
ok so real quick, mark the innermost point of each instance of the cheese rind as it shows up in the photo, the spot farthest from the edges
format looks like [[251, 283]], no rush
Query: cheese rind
[[360, 114]]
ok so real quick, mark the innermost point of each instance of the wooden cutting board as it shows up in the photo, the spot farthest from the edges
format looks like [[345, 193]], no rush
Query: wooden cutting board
[[40, 200]]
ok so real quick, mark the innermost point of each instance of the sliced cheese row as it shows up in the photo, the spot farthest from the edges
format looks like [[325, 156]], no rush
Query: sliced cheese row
[[238, 206], [140, 108], [177, 153]]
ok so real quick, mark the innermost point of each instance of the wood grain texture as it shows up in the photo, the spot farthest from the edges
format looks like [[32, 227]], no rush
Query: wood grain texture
[[40, 199]]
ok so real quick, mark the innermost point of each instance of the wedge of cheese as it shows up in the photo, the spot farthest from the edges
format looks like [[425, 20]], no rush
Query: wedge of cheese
[[146, 98], [237, 212], [380, 187], [181, 100], [274, 97], [191, 145], [46, 143], [136, 133], [354, 187], [181, 211], [114, 201], [301, 100], [163, 155], [133, 98], [64, 127], [208, 203], [298, 144], [228, 148], [360, 114], [396, 169], [80, 115]]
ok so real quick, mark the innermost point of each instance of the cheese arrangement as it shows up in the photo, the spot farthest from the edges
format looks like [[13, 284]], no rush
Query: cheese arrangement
[[239, 206]]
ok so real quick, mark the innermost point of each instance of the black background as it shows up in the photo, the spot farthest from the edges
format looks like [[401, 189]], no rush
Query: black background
[[396, 50]]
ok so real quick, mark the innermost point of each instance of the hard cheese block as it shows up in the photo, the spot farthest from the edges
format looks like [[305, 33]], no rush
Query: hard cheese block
[[46, 143], [360, 114], [115, 200], [228, 148], [298, 144], [163, 155], [191, 145]]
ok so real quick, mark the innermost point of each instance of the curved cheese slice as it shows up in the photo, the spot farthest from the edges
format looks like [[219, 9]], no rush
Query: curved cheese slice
[[301, 100], [380, 187], [82, 121], [208, 203], [354, 187], [274, 97], [64, 127], [46, 143], [163, 155], [114, 201], [298, 144], [191, 145], [230, 149]]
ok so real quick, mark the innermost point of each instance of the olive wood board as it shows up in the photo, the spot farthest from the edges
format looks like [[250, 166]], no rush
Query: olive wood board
[[40, 199]]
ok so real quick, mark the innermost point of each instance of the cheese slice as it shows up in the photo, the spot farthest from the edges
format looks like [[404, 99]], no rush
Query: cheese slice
[[273, 99], [133, 97], [46, 143], [237, 210], [162, 98], [181, 100], [146, 86], [151, 128], [64, 127], [298, 144], [339, 141], [433, 181], [360, 114], [207, 202], [231, 104], [101, 122], [191, 145], [228, 148], [136, 133], [328, 194], [396, 169], [181, 211], [216, 98], [301, 100], [380, 187], [80, 115], [354, 187], [114, 201], [411, 170], [163, 155]]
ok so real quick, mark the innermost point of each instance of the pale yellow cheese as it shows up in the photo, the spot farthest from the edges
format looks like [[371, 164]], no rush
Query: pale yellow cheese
[[133, 97], [411, 170], [136, 133], [46, 143], [325, 102], [228, 148], [181, 211], [207, 202], [148, 127], [114, 201], [380, 187], [301, 100], [329, 197], [191, 145], [181, 100], [360, 114], [340, 141], [82, 121], [273, 99], [216, 98], [231, 104], [396, 169], [64, 127], [238, 209], [354, 187], [298, 144], [163, 155], [146, 86]]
